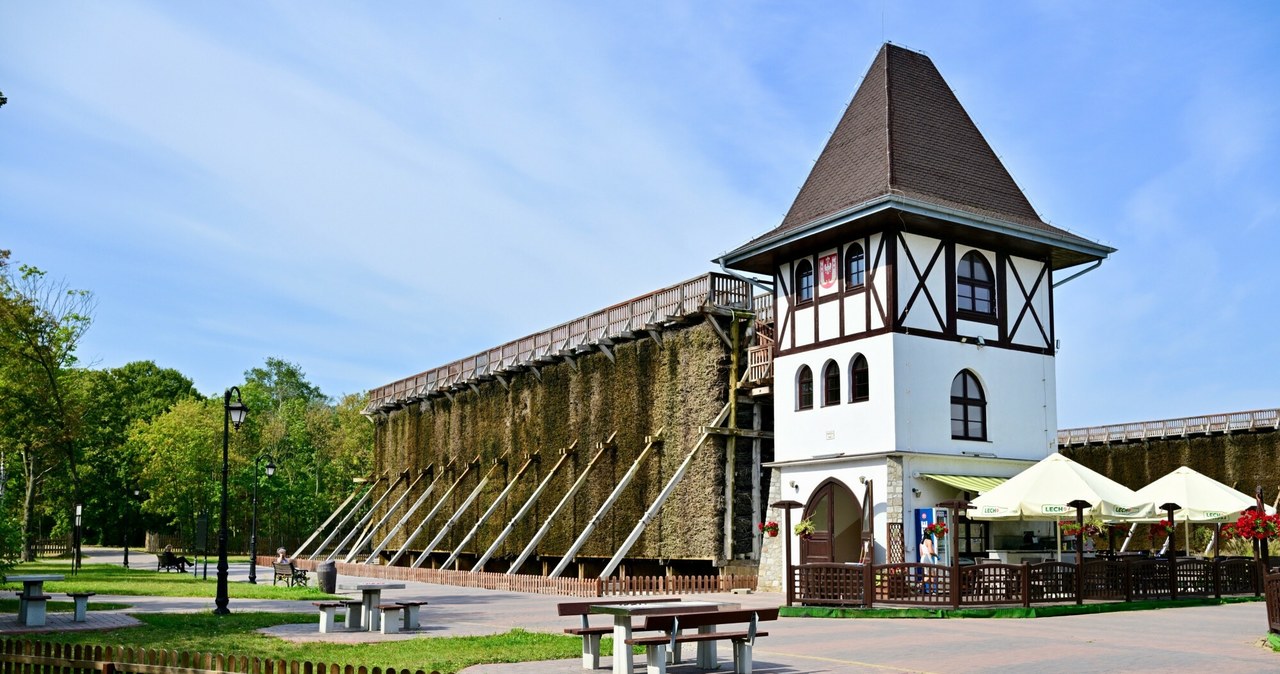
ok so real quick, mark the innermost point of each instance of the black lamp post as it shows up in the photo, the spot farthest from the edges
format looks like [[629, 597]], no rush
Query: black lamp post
[[253, 527], [232, 413], [128, 529]]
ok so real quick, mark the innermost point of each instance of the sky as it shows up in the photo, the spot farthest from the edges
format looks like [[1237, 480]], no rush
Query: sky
[[370, 190]]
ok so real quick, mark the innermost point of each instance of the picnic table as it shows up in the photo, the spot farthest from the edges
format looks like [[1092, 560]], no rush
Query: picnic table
[[372, 597], [31, 603], [623, 612]]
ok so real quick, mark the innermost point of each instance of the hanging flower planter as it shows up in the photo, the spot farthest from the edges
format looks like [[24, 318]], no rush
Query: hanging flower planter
[[937, 529], [804, 529], [769, 528]]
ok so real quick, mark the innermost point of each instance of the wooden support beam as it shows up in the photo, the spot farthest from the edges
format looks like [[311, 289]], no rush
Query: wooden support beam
[[604, 348], [367, 516], [473, 388], [655, 335], [371, 531], [536, 372], [737, 432], [555, 512]]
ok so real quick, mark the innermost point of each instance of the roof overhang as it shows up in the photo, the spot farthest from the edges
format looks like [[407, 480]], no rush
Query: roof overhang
[[762, 255]]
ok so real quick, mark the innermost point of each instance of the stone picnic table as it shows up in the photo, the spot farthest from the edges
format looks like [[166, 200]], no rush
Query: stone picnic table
[[372, 596], [31, 603], [622, 613]]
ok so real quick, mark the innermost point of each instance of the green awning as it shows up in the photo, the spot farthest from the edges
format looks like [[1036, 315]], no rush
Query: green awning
[[977, 484]]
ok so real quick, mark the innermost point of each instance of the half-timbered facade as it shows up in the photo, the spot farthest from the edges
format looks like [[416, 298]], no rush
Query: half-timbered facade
[[914, 341]]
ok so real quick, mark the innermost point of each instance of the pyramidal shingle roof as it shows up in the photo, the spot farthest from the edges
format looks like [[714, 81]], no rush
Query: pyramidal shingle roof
[[905, 134]]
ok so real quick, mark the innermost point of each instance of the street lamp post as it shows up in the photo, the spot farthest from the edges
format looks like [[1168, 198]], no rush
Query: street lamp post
[[253, 527], [129, 529], [232, 413]]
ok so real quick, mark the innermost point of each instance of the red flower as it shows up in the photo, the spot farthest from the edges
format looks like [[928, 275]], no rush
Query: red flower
[[936, 529]]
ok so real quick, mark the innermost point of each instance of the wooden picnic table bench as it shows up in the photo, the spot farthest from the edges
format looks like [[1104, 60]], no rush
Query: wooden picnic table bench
[[706, 623], [292, 577], [591, 635]]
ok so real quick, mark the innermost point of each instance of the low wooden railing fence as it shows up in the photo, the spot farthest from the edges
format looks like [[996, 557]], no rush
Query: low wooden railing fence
[[573, 587], [624, 320], [1271, 589], [936, 585], [1235, 422], [24, 657]]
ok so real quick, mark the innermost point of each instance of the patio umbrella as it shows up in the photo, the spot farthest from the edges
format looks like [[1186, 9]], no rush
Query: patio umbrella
[[1203, 499], [1045, 490]]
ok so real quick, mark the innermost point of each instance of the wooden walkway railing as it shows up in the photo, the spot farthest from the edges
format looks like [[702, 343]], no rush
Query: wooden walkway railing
[[22, 657], [1235, 422], [934, 585], [622, 321], [51, 547], [1271, 588], [573, 587]]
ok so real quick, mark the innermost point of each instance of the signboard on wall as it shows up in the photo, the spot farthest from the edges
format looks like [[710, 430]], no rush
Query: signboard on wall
[[827, 270]]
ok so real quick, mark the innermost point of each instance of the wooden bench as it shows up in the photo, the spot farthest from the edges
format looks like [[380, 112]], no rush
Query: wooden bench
[[82, 606], [411, 613], [167, 561], [671, 625], [292, 577], [328, 615], [390, 623], [591, 635]]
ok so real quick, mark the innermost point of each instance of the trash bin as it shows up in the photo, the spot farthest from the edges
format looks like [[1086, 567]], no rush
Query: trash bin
[[327, 577]]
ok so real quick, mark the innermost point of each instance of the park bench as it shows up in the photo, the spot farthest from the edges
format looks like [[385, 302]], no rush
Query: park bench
[[82, 606], [411, 613], [167, 561], [292, 577], [355, 609], [671, 626], [591, 635]]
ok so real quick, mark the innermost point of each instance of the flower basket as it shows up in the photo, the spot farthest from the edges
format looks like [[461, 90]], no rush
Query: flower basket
[[1255, 526], [1160, 530], [1071, 528], [769, 528], [804, 529], [937, 529]]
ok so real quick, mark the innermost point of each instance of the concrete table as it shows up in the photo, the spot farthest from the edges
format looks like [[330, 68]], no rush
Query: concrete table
[[623, 612], [372, 597], [32, 614]]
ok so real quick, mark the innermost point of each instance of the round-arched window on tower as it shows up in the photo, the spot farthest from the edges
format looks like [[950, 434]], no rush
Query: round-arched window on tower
[[975, 287], [859, 380], [830, 384], [804, 388], [804, 281], [968, 408]]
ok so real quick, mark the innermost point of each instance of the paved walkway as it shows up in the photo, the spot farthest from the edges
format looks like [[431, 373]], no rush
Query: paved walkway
[[1196, 639]]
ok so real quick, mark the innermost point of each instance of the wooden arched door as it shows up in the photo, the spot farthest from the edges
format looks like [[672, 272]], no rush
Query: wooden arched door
[[837, 525]]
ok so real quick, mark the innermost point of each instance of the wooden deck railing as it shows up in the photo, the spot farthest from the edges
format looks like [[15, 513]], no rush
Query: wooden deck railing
[[621, 321], [573, 587], [1023, 585], [17, 655], [1235, 422]]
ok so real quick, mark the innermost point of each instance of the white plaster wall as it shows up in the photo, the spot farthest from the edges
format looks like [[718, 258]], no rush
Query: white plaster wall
[[802, 324], [1028, 332], [1020, 389], [921, 315], [855, 313], [807, 478], [829, 321], [974, 329], [852, 428]]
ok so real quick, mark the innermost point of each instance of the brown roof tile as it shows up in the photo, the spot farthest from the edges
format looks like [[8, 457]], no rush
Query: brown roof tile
[[905, 133]]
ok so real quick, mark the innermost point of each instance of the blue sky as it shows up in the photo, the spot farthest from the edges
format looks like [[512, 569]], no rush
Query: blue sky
[[370, 191]]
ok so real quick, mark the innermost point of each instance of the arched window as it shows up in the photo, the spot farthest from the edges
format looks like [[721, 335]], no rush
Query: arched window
[[804, 388], [830, 384], [804, 281], [859, 381], [855, 267], [968, 408], [975, 286]]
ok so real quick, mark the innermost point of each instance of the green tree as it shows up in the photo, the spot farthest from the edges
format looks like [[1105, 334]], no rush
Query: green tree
[[41, 395], [116, 398], [183, 468]]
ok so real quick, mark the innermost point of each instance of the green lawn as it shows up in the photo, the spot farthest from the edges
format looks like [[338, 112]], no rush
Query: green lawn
[[235, 634], [112, 579]]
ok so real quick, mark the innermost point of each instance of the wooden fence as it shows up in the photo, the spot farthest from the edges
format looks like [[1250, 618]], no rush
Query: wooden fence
[[1271, 588], [29, 657], [1235, 422], [934, 585], [573, 587], [54, 546]]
